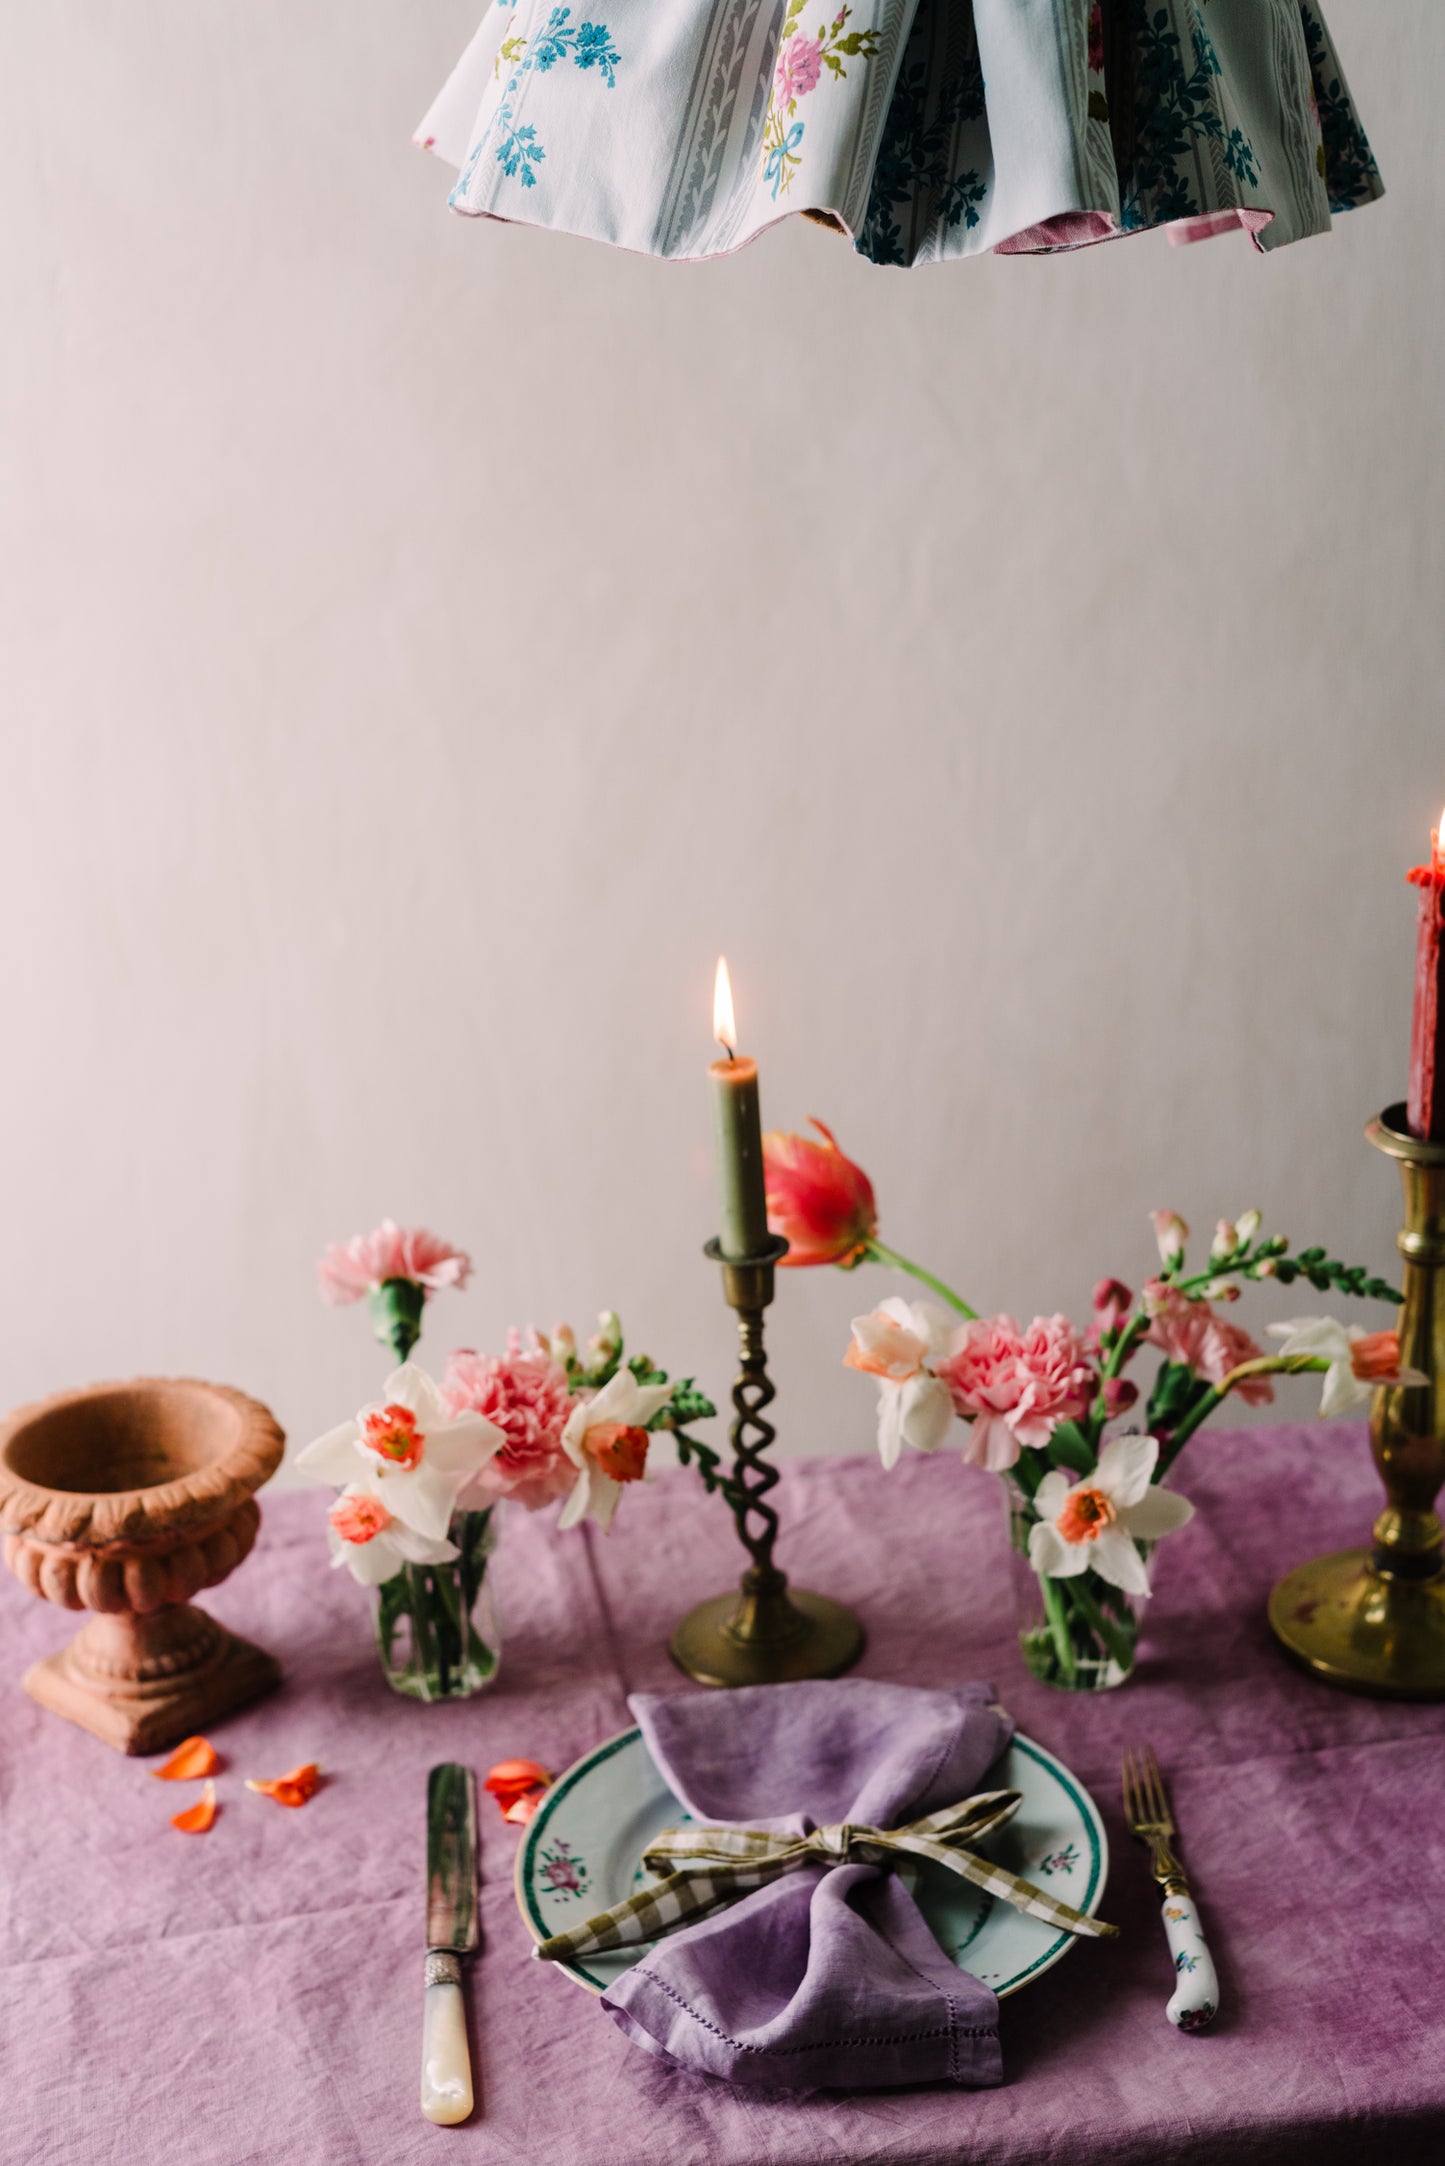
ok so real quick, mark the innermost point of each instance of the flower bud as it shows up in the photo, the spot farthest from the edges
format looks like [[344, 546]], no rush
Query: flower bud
[[1112, 1303], [1226, 1241], [1171, 1232], [607, 1343], [1247, 1226], [1266, 1269], [1120, 1393], [563, 1346], [1221, 1290]]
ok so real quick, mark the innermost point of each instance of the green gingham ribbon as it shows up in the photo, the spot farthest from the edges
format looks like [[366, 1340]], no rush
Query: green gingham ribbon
[[713, 1865]]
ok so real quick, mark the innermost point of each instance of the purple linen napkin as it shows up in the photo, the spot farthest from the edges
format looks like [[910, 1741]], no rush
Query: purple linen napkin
[[828, 1977]]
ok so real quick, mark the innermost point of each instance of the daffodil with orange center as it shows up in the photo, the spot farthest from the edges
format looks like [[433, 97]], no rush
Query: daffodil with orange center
[[1097, 1524], [1355, 1362], [606, 1439], [895, 1344], [399, 1464], [372, 1543]]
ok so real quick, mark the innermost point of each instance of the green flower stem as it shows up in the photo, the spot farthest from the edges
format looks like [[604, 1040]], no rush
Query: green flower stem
[[1265, 1365], [1108, 1635], [1063, 1639], [875, 1252], [421, 1619], [396, 1307], [1126, 1344]]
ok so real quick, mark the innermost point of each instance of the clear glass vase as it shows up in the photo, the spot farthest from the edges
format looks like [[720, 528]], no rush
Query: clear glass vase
[[1080, 1634], [436, 1624]]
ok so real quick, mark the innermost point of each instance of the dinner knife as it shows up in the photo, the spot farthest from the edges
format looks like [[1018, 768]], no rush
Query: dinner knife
[[452, 1931]]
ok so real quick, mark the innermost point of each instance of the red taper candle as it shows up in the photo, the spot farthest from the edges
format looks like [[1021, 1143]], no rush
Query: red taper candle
[[1426, 1106]]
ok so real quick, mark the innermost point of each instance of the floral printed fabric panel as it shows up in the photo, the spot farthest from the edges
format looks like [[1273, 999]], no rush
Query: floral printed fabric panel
[[927, 128], [678, 130]]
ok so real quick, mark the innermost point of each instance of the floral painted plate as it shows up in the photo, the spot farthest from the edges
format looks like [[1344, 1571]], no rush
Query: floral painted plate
[[582, 1852]]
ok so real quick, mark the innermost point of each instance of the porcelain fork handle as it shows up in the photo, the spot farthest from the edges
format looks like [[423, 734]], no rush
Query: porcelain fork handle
[[1195, 2000]]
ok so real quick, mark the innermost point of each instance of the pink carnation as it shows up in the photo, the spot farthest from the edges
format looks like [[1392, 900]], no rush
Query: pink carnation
[[1016, 1385], [525, 1392], [800, 63], [1189, 1333], [351, 1268]]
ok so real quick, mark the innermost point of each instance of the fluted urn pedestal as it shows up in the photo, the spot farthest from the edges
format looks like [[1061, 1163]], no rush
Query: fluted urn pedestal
[[128, 1499]]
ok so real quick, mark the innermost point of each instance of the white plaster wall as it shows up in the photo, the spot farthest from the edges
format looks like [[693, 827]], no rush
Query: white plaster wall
[[426, 644]]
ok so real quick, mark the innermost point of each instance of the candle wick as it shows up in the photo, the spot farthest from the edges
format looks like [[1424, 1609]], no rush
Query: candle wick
[[727, 1049]]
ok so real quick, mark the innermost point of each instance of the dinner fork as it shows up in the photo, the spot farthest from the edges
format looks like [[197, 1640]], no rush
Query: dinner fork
[[1195, 2000]]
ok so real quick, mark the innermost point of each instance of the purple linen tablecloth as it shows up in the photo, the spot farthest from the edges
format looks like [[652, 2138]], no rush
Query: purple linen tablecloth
[[255, 1995]]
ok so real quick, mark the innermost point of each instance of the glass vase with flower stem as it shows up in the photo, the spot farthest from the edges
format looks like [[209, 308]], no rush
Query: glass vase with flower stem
[[437, 1627]]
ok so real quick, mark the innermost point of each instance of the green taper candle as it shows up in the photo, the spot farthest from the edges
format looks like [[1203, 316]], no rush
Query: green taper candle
[[737, 1136]]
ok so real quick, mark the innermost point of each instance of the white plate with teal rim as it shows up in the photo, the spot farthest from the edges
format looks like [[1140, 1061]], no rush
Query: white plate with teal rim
[[582, 1852]]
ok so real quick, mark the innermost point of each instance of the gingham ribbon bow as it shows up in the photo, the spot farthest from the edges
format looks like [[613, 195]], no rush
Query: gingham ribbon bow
[[713, 1865]]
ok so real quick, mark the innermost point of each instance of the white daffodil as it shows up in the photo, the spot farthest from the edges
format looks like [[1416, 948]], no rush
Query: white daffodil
[[408, 1451], [1095, 1523], [895, 1343], [372, 1542], [606, 1440], [1359, 1361]]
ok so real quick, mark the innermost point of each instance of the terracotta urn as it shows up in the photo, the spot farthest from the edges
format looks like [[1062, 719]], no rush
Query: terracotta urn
[[128, 1499]]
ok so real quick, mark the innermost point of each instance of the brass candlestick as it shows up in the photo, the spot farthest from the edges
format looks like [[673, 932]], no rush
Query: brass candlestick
[[1373, 1619], [764, 1634]]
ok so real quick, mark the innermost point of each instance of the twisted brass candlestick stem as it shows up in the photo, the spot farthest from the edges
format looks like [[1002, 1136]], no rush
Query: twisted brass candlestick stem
[[753, 1474], [1373, 1619], [764, 1634]]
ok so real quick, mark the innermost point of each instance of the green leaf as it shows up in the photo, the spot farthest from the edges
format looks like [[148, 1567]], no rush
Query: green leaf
[[1069, 1447], [1176, 1390], [688, 1404]]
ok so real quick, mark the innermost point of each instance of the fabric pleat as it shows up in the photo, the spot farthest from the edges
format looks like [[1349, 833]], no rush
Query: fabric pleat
[[922, 129]]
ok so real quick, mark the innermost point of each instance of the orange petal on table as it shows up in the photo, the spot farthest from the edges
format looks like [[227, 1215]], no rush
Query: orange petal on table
[[290, 1789], [197, 1818], [192, 1758], [517, 1786]]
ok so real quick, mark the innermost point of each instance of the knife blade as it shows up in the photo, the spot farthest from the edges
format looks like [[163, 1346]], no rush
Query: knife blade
[[452, 1931]]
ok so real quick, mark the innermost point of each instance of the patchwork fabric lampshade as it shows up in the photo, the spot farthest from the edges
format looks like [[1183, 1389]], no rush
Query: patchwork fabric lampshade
[[920, 129]]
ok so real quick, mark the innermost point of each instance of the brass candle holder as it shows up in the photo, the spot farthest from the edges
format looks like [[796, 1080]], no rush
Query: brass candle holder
[[1373, 1620], [766, 1633]]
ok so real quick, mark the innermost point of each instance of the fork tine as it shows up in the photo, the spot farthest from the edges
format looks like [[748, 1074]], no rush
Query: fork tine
[[1132, 1809], [1156, 1784]]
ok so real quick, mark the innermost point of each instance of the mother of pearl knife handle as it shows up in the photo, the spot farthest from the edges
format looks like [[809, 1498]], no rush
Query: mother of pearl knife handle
[[446, 2066], [1195, 2000]]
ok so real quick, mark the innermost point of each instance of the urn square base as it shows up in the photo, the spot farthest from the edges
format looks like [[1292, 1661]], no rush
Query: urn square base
[[151, 1714]]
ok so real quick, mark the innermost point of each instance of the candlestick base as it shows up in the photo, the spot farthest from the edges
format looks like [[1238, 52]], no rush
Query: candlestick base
[[1354, 1626], [1373, 1620], [766, 1634]]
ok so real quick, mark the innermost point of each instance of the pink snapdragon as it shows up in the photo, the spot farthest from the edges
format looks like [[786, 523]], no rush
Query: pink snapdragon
[[1190, 1334], [1016, 1385], [526, 1394], [350, 1269]]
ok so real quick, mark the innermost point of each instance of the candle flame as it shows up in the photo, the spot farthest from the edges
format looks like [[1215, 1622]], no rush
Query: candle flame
[[724, 1027]]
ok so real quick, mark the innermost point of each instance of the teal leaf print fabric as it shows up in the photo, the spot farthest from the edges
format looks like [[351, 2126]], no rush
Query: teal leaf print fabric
[[923, 130]]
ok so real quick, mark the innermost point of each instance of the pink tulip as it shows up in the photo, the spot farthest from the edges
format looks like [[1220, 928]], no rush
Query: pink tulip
[[817, 1199]]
